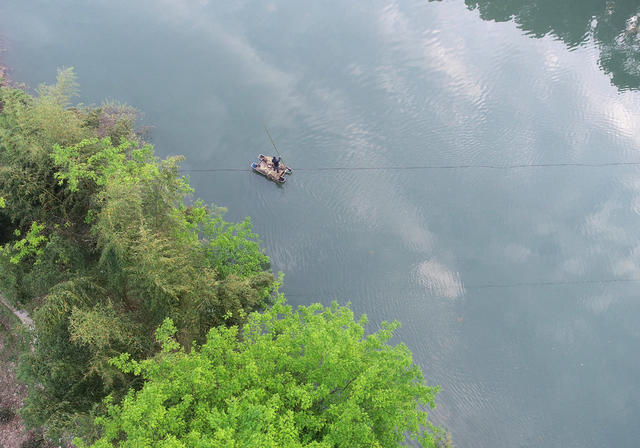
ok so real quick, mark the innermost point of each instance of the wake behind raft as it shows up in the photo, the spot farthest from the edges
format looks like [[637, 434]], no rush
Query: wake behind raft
[[264, 166]]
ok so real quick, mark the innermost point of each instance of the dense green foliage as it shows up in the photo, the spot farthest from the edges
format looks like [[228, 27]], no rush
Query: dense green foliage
[[100, 241], [292, 379]]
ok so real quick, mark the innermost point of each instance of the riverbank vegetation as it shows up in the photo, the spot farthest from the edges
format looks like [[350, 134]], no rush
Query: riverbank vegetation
[[102, 242]]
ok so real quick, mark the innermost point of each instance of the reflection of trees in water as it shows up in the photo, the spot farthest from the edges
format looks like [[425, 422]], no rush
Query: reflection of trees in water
[[613, 24]]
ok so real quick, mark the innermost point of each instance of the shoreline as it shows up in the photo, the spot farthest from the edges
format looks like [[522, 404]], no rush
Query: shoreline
[[3, 73], [4, 70]]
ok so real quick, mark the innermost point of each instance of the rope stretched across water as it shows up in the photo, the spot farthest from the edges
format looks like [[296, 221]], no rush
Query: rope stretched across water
[[434, 167]]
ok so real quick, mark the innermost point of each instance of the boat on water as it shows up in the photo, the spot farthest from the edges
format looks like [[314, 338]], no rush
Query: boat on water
[[264, 166]]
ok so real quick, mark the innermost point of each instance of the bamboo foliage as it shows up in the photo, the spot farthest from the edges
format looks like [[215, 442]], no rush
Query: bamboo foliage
[[104, 243]]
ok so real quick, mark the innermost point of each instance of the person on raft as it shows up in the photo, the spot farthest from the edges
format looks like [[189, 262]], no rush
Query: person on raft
[[276, 163]]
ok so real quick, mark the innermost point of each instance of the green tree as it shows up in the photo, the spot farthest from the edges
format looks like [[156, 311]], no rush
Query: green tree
[[101, 241], [309, 378]]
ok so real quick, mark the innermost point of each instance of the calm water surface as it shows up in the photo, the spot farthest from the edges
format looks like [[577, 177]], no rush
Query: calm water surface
[[511, 284]]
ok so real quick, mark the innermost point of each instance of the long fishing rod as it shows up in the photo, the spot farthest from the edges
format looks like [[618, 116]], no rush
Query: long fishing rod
[[272, 142]]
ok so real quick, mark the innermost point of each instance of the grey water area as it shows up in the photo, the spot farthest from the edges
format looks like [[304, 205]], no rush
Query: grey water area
[[511, 255]]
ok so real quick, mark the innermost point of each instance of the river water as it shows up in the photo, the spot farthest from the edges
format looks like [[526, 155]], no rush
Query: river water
[[491, 223]]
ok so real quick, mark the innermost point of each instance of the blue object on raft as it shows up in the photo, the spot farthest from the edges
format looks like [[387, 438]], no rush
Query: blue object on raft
[[265, 167]]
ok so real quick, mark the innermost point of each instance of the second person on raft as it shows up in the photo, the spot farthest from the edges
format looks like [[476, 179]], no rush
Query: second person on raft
[[276, 163]]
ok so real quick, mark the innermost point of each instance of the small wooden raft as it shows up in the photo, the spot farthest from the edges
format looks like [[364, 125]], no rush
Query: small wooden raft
[[264, 166]]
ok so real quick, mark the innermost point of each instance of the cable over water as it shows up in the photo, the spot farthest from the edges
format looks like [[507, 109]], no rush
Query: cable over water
[[434, 167], [470, 166]]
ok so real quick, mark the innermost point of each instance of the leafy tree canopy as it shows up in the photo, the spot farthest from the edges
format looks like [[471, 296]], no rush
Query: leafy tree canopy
[[309, 378], [101, 241]]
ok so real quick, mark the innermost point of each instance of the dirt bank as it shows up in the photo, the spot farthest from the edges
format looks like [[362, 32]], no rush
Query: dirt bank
[[12, 393]]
